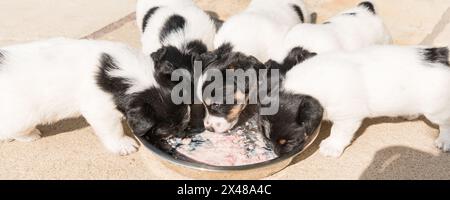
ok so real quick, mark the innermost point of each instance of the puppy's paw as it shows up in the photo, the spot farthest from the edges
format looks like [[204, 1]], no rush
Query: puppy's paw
[[31, 137], [443, 144], [331, 148], [123, 146]]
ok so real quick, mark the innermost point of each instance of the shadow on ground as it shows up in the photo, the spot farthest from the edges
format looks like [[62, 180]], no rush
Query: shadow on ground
[[326, 129], [402, 163], [63, 126]]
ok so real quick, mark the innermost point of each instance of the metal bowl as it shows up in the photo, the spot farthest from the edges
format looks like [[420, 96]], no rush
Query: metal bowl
[[204, 171]]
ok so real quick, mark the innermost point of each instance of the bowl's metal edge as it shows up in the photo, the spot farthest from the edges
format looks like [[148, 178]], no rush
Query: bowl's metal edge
[[203, 171]]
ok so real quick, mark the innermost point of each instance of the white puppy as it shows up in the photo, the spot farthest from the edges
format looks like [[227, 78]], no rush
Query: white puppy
[[260, 28], [350, 30], [173, 23], [372, 82], [43, 82]]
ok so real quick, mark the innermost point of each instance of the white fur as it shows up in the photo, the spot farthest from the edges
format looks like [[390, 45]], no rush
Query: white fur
[[376, 81], [47, 81], [344, 32], [260, 29], [199, 25]]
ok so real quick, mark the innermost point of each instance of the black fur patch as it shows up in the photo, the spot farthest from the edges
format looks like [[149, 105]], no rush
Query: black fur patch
[[299, 12], [297, 119], [196, 47], [174, 23], [437, 55], [147, 17], [215, 18], [114, 85], [369, 6], [351, 14], [150, 113], [296, 56]]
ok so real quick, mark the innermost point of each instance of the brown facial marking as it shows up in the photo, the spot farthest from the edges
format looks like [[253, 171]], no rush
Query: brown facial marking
[[282, 141], [240, 97], [234, 113]]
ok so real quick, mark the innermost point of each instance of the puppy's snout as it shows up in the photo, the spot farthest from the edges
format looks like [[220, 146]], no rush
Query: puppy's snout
[[210, 129]]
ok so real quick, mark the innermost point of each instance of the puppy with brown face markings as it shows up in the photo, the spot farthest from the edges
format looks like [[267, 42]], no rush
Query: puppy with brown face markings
[[288, 129], [224, 95]]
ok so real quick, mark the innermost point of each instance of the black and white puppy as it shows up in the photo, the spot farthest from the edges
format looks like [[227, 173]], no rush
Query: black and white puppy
[[351, 29], [260, 29], [46, 81], [249, 37], [377, 81], [288, 129], [174, 32]]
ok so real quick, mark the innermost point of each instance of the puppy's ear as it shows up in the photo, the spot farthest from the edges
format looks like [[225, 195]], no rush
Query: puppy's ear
[[271, 64], [208, 57], [309, 114], [139, 124], [165, 69], [296, 56], [159, 55]]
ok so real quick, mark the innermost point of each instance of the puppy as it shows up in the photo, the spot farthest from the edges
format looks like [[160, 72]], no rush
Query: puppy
[[247, 38], [46, 81], [298, 118], [221, 116], [372, 82], [350, 30], [177, 23], [260, 28], [288, 129], [174, 32]]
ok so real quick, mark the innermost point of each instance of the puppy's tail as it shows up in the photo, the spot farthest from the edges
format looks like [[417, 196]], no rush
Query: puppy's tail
[[436, 55]]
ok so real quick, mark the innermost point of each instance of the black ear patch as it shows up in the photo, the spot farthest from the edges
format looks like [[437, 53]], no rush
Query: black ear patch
[[159, 55], [299, 12], [310, 114], [173, 24], [140, 124], [147, 17], [196, 47], [369, 6], [296, 56], [437, 55]]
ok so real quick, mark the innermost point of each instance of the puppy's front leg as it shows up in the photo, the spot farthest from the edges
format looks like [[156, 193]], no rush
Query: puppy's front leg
[[341, 136], [107, 125], [443, 141]]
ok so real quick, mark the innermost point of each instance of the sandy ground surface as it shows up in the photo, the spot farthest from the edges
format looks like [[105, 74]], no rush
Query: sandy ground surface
[[384, 148]]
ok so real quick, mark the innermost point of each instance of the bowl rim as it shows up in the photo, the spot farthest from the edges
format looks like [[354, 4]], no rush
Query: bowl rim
[[211, 168]]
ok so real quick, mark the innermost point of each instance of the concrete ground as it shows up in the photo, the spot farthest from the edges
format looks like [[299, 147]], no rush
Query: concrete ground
[[384, 149]]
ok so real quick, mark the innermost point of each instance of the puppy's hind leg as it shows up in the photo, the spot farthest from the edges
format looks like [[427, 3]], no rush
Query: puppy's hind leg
[[342, 133], [107, 124]]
